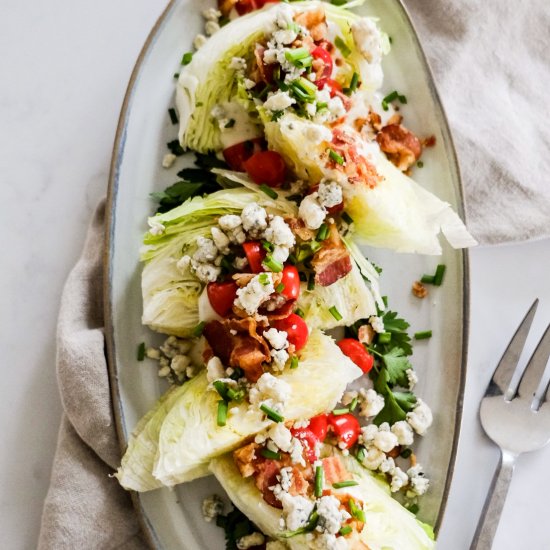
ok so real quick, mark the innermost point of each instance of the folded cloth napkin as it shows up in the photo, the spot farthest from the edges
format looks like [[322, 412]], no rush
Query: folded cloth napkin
[[85, 508], [491, 64]]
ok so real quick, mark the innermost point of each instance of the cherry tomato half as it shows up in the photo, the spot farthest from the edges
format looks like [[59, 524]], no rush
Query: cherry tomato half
[[309, 441], [222, 296], [357, 353], [266, 167], [255, 254], [346, 428], [291, 280], [319, 426], [326, 58], [246, 6], [332, 85], [296, 329], [237, 154]]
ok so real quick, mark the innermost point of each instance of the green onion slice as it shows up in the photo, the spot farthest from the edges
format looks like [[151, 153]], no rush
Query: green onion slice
[[268, 191], [342, 46], [271, 413], [319, 481], [439, 273], [338, 412], [356, 512], [335, 313], [270, 454], [273, 265], [338, 159], [423, 335], [222, 413], [197, 331], [141, 352], [322, 233], [342, 484]]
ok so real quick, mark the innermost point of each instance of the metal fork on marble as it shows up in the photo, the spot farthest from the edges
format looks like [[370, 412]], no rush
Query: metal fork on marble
[[515, 417]]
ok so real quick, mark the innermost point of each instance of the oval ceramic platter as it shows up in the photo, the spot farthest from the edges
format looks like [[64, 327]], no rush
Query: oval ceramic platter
[[172, 519]]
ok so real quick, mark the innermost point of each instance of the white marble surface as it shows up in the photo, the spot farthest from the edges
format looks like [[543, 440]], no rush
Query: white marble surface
[[64, 68]]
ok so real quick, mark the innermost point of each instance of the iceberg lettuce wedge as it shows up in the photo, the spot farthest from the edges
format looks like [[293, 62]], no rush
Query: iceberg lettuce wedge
[[388, 524]]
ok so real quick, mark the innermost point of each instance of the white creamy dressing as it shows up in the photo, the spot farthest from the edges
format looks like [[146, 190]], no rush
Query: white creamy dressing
[[243, 129]]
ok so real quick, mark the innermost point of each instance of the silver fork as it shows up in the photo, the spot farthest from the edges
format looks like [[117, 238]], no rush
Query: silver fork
[[514, 418]]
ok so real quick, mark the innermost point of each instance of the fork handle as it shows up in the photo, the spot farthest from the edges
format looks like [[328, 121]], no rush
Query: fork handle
[[490, 516]]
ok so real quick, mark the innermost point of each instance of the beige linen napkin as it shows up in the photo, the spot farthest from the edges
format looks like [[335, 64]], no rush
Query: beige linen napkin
[[85, 508]]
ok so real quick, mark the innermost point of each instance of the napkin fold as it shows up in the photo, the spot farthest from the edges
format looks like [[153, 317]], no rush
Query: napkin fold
[[491, 64]]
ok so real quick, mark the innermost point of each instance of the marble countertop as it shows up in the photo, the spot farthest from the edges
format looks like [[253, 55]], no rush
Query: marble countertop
[[65, 67]]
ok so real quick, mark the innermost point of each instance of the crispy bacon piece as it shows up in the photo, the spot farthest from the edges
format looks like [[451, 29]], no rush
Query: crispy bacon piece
[[298, 227], [265, 476], [365, 334], [265, 72], [246, 349], [334, 470], [332, 261], [401, 146], [244, 459], [314, 21], [225, 6]]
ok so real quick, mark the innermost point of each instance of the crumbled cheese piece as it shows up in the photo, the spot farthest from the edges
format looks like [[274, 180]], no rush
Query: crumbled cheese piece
[[311, 211], [277, 338], [387, 466], [152, 353], [206, 251], [240, 263], [270, 390], [275, 545], [348, 397], [420, 418], [255, 293], [418, 481], [377, 324], [168, 160], [249, 541], [279, 101], [367, 39], [221, 240], [296, 510], [200, 40], [326, 541], [297, 452], [180, 363], [371, 404], [280, 254], [281, 436], [173, 346], [329, 193], [211, 27], [238, 64], [156, 228], [301, 423], [249, 84], [211, 14], [164, 372], [192, 371], [254, 219], [214, 369], [403, 432], [231, 224], [207, 273], [385, 441], [330, 515], [373, 458], [279, 357], [212, 507], [368, 433], [399, 479], [412, 378]]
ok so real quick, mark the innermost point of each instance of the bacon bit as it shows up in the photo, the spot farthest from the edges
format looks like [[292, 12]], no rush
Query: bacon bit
[[242, 279], [314, 21], [365, 334], [244, 459], [298, 227], [401, 146], [429, 141], [265, 476], [334, 470], [396, 118], [394, 453], [375, 120], [265, 71], [413, 460], [225, 6], [332, 261], [246, 349], [358, 123], [419, 290]]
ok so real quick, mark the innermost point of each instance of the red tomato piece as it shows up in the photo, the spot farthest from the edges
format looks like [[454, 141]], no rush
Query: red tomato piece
[[222, 296], [266, 167], [291, 280], [237, 154], [326, 58], [346, 428], [309, 441], [332, 85], [357, 353], [319, 426], [255, 254], [296, 329]]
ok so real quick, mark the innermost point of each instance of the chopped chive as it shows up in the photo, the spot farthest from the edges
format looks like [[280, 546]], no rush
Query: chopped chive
[[402, 99], [342, 484], [390, 39], [439, 273], [321, 105], [353, 404], [347, 218], [406, 453], [173, 115], [314, 245], [235, 395], [268, 191], [175, 148], [392, 97], [176, 75], [361, 452], [338, 2], [272, 414], [420, 164], [427, 279], [294, 362], [141, 352], [222, 413], [266, 245], [338, 412], [338, 159], [342, 46], [335, 313], [197, 331], [322, 233], [303, 89], [272, 264], [264, 279], [221, 388], [346, 530], [354, 82], [299, 57], [186, 59], [356, 512], [384, 338], [230, 123], [319, 481], [413, 509], [423, 335], [279, 288], [270, 454], [311, 282], [300, 313]]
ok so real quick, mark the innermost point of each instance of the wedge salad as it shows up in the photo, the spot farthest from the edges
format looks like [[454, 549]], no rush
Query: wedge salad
[[288, 375]]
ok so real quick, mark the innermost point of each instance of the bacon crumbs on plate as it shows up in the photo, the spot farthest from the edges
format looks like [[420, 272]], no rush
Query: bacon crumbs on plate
[[419, 290]]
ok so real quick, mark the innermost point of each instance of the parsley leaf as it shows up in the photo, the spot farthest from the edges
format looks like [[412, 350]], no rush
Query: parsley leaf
[[398, 329], [396, 404], [397, 365], [236, 525]]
